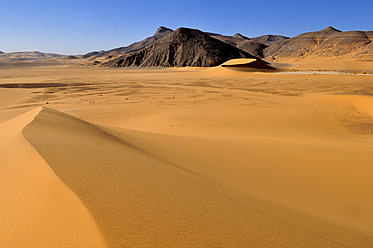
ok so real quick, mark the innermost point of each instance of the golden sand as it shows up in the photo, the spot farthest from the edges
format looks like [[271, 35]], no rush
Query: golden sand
[[37, 209], [186, 158]]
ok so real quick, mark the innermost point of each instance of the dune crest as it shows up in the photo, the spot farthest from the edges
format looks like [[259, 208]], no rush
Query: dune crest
[[37, 209]]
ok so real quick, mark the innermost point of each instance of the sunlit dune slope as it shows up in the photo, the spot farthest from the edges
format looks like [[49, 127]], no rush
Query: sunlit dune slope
[[312, 154], [141, 195]]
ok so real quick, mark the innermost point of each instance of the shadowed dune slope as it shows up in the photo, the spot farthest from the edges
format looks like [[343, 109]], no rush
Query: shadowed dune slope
[[140, 200], [247, 64]]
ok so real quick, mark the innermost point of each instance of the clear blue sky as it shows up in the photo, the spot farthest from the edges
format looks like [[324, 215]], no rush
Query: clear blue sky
[[80, 26]]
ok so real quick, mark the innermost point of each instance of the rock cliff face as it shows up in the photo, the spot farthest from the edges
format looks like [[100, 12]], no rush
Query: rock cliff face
[[183, 47]]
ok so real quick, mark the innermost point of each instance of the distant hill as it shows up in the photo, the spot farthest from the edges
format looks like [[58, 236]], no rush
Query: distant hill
[[183, 47], [159, 34], [240, 36], [27, 56], [329, 42], [254, 46], [269, 38]]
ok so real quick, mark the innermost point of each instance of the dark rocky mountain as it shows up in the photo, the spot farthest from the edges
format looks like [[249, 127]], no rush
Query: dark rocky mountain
[[1, 52], [329, 42], [159, 34], [183, 47]]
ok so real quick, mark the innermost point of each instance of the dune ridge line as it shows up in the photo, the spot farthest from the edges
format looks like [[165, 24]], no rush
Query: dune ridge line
[[37, 209]]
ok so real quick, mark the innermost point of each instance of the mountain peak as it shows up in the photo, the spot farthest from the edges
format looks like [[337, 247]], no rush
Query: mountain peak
[[240, 36], [187, 33], [162, 29], [331, 29]]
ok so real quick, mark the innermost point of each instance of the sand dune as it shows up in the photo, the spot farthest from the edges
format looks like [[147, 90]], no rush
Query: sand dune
[[142, 197], [185, 158], [37, 209], [275, 155], [247, 65]]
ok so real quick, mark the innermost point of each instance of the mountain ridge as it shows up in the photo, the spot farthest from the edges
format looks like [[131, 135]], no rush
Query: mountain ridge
[[27, 56], [328, 42]]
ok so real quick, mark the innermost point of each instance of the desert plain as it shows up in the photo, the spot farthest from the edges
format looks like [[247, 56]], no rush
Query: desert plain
[[186, 157]]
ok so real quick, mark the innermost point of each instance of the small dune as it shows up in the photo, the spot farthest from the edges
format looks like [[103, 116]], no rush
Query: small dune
[[247, 64]]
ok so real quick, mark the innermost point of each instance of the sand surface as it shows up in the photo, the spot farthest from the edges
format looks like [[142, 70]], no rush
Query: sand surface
[[186, 158], [37, 209]]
